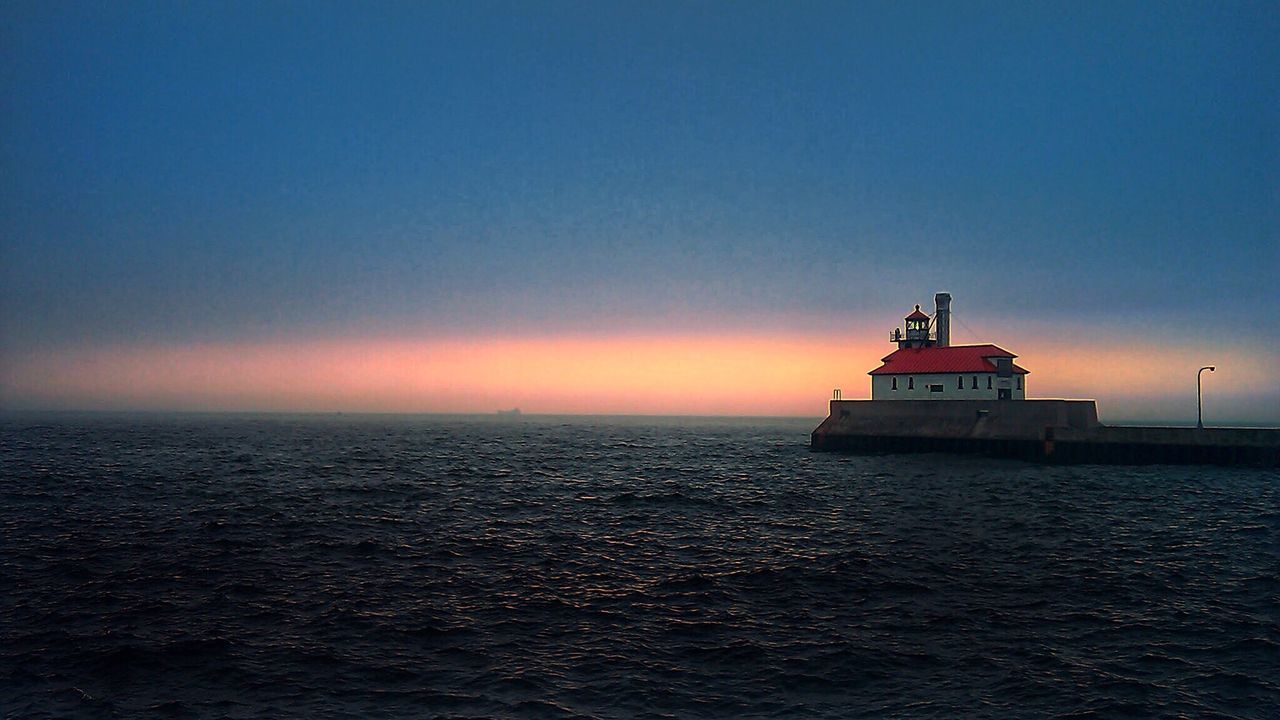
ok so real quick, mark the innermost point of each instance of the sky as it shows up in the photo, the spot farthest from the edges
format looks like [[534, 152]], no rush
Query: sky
[[651, 207]]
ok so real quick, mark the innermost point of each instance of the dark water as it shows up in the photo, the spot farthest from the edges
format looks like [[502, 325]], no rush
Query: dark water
[[614, 568]]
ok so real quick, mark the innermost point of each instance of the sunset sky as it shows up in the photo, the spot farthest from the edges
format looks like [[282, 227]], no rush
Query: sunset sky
[[607, 207]]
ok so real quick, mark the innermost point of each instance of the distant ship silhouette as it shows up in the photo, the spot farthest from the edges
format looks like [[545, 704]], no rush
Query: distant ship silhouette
[[512, 411]]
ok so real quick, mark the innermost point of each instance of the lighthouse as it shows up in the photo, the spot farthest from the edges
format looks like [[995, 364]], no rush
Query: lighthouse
[[988, 411], [926, 366]]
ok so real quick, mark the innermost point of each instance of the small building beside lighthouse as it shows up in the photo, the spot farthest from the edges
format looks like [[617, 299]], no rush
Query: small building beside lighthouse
[[926, 366]]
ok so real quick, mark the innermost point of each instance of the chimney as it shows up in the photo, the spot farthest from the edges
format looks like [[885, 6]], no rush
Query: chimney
[[942, 318]]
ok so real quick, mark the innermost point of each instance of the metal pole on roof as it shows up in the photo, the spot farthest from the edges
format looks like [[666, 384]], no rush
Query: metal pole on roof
[[1199, 405]]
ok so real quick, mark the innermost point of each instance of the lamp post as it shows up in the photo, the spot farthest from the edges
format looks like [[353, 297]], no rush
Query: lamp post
[[1199, 405]]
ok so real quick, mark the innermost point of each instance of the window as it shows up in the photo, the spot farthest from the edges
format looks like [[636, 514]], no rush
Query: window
[[1019, 382], [959, 382], [988, 382], [974, 386], [935, 388], [1004, 367], [911, 383], [895, 383]]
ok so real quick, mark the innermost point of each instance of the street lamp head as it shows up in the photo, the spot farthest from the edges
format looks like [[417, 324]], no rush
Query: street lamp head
[[1212, 368]]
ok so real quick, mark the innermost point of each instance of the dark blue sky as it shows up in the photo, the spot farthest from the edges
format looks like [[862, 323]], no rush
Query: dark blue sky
[[176, 172]]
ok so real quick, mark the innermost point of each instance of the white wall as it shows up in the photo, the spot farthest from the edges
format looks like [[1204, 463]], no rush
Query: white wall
[[881, 387]]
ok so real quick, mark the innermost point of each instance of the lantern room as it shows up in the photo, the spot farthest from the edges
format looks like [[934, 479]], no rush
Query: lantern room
[[917, 331]]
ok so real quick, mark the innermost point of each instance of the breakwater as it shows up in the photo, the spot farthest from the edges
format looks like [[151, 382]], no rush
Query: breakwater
[[1058, 431]]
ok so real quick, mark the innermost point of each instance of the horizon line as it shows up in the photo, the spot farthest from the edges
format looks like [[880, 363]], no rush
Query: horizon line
[[1120, 422]]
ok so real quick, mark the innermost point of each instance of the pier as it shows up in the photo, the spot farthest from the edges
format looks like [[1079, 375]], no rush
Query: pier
[[1055, 431]]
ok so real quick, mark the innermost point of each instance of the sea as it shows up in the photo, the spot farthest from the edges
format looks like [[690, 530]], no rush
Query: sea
[[397, 566]]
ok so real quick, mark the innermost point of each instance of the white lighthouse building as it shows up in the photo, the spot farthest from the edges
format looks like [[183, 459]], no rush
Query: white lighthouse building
[[926, 366]]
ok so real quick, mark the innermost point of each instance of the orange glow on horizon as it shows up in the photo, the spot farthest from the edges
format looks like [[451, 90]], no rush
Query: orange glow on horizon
[[678, 374], [640, 375]]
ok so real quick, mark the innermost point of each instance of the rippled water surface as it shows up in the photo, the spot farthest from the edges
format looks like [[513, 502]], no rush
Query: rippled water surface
[[262, 567]]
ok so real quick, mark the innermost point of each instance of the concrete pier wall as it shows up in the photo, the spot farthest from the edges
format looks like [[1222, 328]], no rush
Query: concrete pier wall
[[1065, 431], [1008, 419]]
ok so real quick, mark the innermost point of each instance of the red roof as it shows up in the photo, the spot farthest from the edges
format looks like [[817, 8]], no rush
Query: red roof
[[953, 359], [917, 315]]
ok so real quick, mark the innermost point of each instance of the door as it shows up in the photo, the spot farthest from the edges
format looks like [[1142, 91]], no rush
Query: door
[[1005, 394]]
